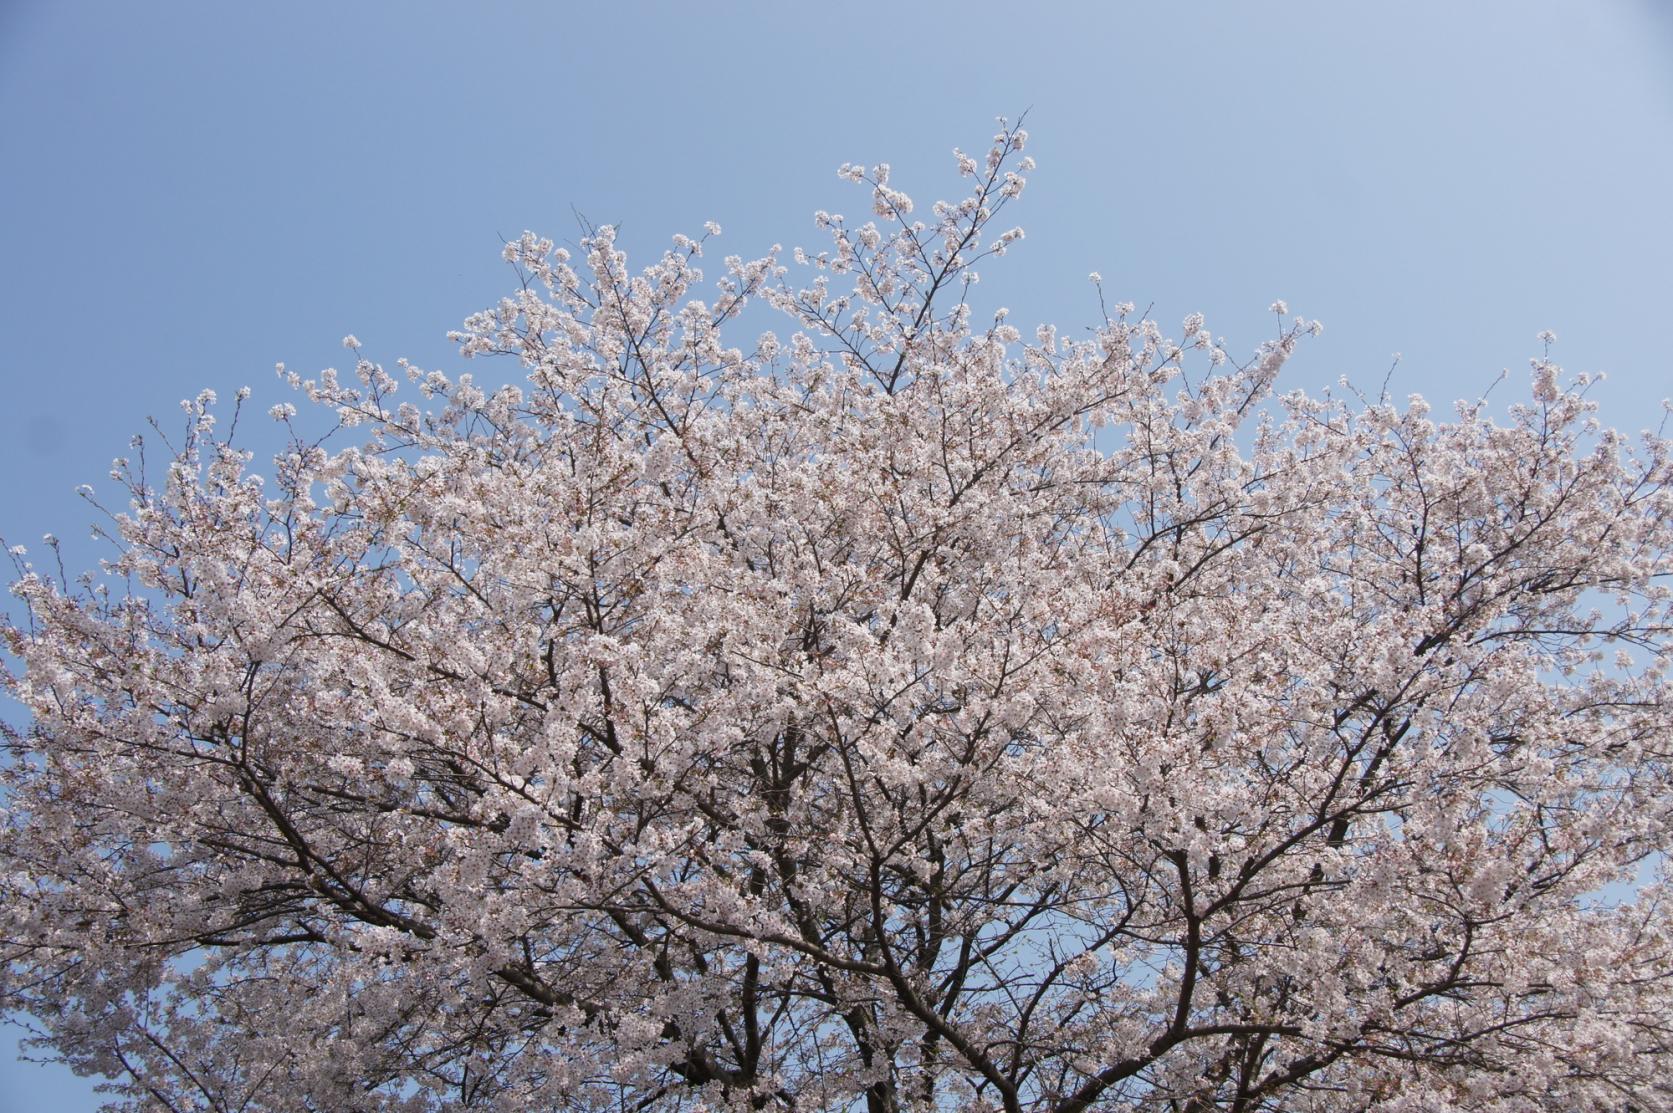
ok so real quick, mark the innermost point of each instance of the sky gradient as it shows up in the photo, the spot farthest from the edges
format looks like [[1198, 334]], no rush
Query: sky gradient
[[195, 191]]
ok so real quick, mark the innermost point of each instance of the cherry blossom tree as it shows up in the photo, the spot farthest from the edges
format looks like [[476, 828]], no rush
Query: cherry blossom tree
[[898, 713]]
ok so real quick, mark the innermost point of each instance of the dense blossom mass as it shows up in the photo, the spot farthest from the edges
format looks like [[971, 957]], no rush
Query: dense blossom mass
[[896, 713]]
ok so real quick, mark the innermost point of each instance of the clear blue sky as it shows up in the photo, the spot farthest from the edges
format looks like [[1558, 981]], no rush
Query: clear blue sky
[[193, 191]]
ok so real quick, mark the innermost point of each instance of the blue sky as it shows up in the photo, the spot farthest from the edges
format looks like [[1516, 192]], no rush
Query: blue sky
[[194, 191]]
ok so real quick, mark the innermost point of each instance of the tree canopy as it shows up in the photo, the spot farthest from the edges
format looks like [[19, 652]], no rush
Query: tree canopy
[[899, 713]]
